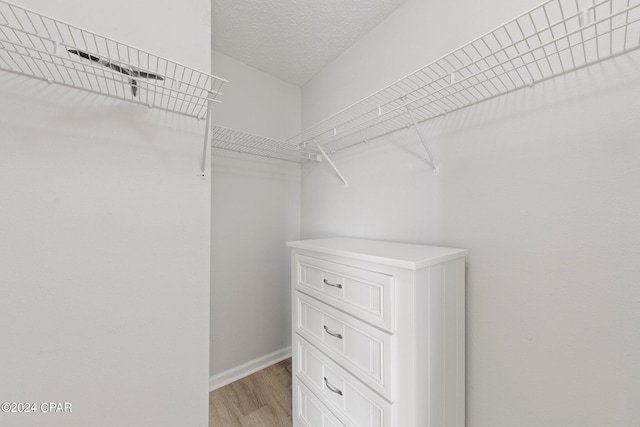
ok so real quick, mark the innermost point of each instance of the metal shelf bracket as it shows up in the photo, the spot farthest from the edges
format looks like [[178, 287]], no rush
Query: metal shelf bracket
[[333, 166], [430, 160], [205, 148]]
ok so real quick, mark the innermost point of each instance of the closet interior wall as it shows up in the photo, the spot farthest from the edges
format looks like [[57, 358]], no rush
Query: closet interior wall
[[540, 186], [104, 236], [255, 210]]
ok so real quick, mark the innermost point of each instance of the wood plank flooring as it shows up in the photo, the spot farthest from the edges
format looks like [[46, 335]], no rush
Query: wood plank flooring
[[262, 399]]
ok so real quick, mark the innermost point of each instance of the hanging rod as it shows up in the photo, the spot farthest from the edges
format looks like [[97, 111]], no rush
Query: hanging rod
[[44, 48], [554, 38], [247, 143]]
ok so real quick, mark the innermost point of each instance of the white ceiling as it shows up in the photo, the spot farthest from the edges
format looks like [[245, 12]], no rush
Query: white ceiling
[[293, 39]]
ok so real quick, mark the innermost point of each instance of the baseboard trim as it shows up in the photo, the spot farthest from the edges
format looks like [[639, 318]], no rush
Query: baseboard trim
[[234, 374]]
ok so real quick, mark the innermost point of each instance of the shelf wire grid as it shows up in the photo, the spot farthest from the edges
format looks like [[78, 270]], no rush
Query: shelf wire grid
[[549, 40], [246, 143], [41, 47]]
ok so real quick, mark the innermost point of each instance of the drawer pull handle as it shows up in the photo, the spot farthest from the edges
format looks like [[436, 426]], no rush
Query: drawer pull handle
[[339, 286], [332, 388], [333, 334]]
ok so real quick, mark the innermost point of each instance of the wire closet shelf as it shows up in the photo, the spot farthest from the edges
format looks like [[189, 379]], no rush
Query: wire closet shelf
[[552, 39], [38, 46], [246, 143]]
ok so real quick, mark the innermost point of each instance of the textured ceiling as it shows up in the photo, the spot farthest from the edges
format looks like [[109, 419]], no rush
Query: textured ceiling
[[293, 39]]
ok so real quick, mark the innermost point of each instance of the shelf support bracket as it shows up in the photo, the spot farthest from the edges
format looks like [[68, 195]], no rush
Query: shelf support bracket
[[205, 148], [324, 154], [430, 160]]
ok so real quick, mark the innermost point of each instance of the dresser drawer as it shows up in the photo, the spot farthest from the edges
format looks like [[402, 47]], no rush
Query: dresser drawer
[[365, 294], [364, 350], [310, 411], [343, 393]]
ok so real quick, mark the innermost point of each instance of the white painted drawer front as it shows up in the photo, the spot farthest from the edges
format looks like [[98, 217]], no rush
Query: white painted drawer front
[[311, 412], [350, 399], [361, 348], [363, 293]]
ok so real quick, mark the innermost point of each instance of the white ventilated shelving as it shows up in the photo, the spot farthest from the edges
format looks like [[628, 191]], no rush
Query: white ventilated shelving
[[41, 47], [246, 143], [552, 39], [549, 40]]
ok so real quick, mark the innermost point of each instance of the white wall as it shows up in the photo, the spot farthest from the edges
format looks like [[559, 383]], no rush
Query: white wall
[[104, 238], [255, 210], [541, 186]]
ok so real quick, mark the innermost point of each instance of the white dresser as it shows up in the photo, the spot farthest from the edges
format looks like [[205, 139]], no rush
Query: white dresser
[[378, 334]]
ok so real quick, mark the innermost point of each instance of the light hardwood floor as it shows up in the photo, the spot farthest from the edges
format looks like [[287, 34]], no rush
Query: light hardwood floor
[[262, 399]]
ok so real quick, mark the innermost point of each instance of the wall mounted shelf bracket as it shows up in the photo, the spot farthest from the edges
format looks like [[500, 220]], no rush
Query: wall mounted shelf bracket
[[333, 166], [430, 160], [205, 148]]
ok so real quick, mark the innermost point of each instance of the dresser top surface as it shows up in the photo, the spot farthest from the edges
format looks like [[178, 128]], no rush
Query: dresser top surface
[[403, 255]]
